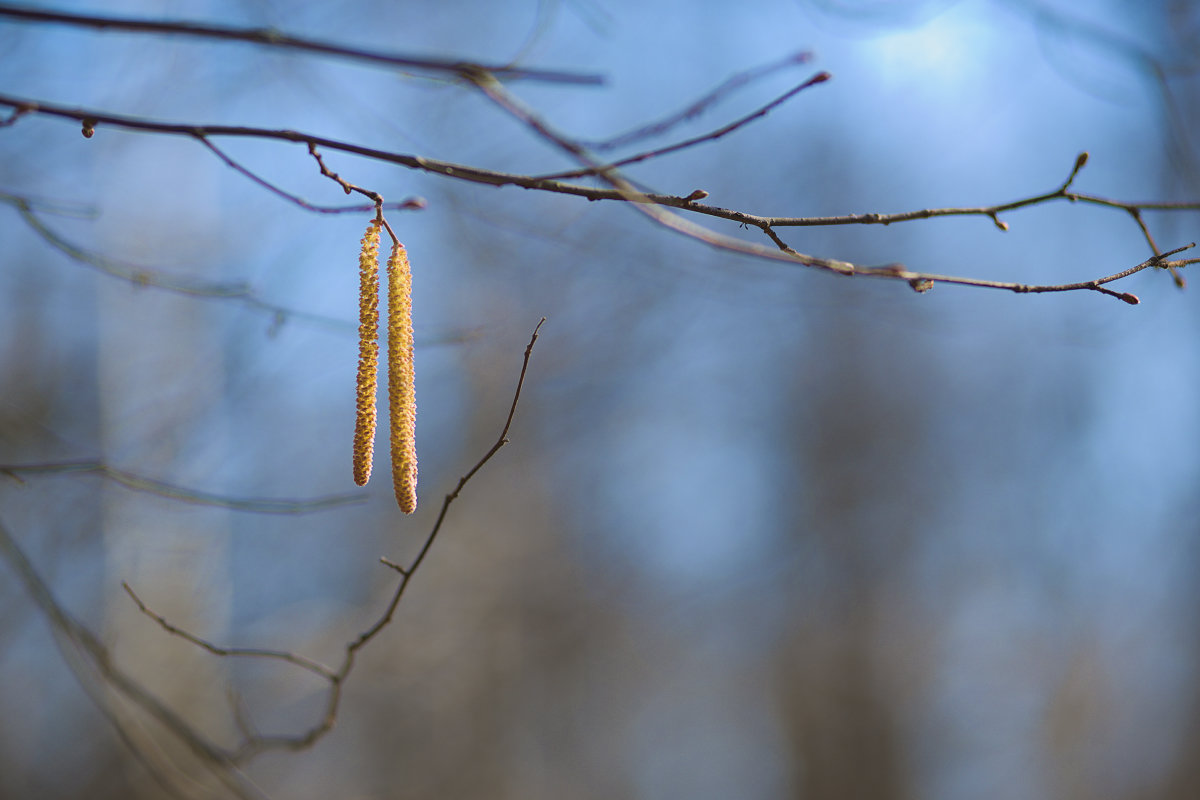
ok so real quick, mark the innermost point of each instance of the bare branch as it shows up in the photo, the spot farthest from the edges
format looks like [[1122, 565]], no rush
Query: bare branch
[[252, 747], [237, 292], [651, 205], [270, 37], [149, 277], [712, 136], [919, 281], [245, 652], [409, 204], [140, 483], [95, 670], [727, 87], [253, 744]]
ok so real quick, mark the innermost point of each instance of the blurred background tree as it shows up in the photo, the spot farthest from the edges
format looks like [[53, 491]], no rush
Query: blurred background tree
[[760, 532]]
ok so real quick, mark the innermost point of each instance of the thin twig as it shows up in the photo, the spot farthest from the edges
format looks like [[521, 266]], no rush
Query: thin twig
[[138, 275], [270, 37], [242, 652], [695, 109], [641, 202], [253, 744], [375, 198], [94, 668], [252, 747], [920, 281], [495, 178], [149, 278], [652, 205], [711, 136], [140, 483], [409, 204]]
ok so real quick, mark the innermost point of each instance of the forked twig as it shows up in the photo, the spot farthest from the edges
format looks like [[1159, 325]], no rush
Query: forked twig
[[410, 204], [711, 136], [250, 652], [698, 107], [254, 743], [920, 281]]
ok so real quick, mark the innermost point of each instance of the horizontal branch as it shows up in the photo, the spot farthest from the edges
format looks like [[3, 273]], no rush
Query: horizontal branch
[[171, 491], [270, 37], [919, 281], [142, 276], [649, 203], [91, 118]]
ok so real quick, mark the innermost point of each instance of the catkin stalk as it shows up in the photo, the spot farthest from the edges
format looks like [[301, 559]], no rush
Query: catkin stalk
[[368, 353], [402, 396]]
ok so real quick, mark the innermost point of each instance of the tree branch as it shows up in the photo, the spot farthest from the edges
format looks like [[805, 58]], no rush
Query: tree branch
[[245, 652], [95, 670], [147, 276], [409, 204], [651, 205], [919, 281], [253, 743], [270, 37], [695, 109], [140, 483], [711, 136]]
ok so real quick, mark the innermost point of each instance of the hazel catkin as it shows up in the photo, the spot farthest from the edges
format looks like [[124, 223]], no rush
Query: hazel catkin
[[402, 398], [368, 353]]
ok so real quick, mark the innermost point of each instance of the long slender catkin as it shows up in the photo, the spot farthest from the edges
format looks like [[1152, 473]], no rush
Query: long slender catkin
[[368, 353], [402, 395]]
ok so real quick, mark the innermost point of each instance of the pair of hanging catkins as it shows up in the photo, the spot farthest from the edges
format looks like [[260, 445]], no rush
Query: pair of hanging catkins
[[402, 396]]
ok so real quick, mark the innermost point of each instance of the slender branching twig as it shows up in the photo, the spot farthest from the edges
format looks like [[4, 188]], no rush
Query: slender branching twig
[[245, 652], [727, 87], [408, 204], [711, 136], [920, 281], [253, 743]]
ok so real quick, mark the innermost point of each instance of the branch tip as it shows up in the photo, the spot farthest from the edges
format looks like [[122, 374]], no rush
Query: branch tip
[[387, 562], [1080, 160]]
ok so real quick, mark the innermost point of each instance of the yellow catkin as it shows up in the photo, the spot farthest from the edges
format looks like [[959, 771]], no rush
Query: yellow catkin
[[368, 353], [402, 395]]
